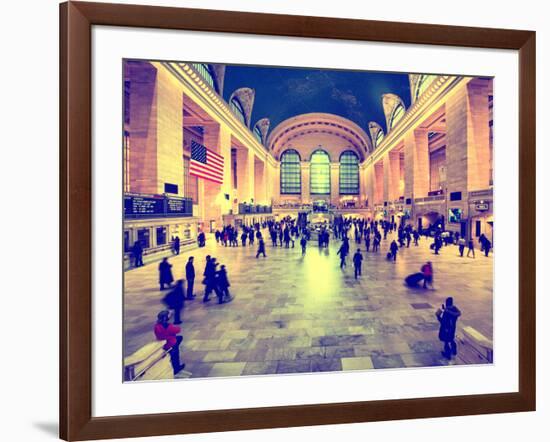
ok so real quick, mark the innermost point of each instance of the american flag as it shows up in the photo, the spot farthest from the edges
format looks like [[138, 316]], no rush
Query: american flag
[[205, 163]]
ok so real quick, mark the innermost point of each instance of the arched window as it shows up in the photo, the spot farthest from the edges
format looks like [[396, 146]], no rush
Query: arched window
[[396, 115], [258, 134], [319, 173], [291, 177], [422, 84], [379, 138], [349, 173], [237, 109], [204, 70]]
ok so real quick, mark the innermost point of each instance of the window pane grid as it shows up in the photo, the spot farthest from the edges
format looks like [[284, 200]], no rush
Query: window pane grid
[[291, 179], [320, 173], [349, 174]]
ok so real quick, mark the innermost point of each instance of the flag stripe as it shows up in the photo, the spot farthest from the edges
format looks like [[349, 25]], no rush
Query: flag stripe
[[206, 168], [207, 177], [206, 164]]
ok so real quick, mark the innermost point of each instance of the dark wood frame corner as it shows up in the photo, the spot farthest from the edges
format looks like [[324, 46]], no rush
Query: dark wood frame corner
[[76, 21]]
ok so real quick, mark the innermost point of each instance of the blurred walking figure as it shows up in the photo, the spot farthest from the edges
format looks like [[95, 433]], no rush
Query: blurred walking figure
[[461, 246], [190, 276], [261, 248], [137, 252], [447, 316], [165, 273], [223, 286], [303, 243], [210, 279], [164, 331], [343, 252], [471, 249], [357, 262], [428, 273], [393, 250], [176, 245], [175, 300]]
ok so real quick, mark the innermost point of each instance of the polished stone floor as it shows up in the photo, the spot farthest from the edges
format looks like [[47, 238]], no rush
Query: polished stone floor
[[294, 314]]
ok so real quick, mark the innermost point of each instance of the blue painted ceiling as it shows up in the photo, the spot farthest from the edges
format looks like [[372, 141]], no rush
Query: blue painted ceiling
[[283, 92]]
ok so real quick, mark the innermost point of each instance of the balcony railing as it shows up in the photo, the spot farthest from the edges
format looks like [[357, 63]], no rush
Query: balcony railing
[[481, 193], [429, 199], [253, 208]]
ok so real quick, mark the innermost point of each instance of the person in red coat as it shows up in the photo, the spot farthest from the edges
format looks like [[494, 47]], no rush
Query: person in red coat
[[428, 272], [164, 331]]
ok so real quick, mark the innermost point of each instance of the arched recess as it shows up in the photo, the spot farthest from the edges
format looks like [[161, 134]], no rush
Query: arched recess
[[394, 109], [349, 173], [262, 128], [376, 133], [319, 173], [291, 173], [242, 101]]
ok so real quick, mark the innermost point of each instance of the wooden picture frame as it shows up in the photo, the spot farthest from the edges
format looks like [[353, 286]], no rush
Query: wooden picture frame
[[76, 21]]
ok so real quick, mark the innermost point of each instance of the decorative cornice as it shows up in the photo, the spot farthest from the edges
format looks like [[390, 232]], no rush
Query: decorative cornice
[[440, 87], [208, 97]]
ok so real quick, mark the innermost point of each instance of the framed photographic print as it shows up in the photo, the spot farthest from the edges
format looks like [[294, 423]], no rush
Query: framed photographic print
[[275, 221]]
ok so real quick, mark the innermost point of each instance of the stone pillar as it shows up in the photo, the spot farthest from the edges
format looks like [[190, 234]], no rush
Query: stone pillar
[[260, 196], [378, 179], [417, 164], [363, 192], [214, 203], [391, 176], [273, 183], [467, 151], [169, 132], [335, 183], [245, 174], [306, 195], [142, 127]]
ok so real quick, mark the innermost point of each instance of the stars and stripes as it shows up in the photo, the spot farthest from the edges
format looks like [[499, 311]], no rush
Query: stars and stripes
[[205, 163]]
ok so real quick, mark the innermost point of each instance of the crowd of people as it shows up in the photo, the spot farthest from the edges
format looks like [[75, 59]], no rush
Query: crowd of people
[[284, 234]]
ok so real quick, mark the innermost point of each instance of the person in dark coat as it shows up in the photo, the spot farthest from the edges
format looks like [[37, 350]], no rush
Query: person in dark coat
[[343, 252], [376, 243], [471, 249], [165, 273], [367, 241], [357, 262], [303, 243], [190, 277], [164, 331], [177, 245], [447, 316], [261, 248], [210, 279], [223, 285], [487, 247], [393, 250], [137, 251], [175, 300], [244, 237]]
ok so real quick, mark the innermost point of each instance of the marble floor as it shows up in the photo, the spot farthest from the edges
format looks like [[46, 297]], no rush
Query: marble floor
[[294, 314]]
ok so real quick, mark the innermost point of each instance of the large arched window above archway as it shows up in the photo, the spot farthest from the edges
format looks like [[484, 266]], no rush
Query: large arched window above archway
[[396, 115], [349, 173], [319, 173], [238, 110], [291, 177]]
